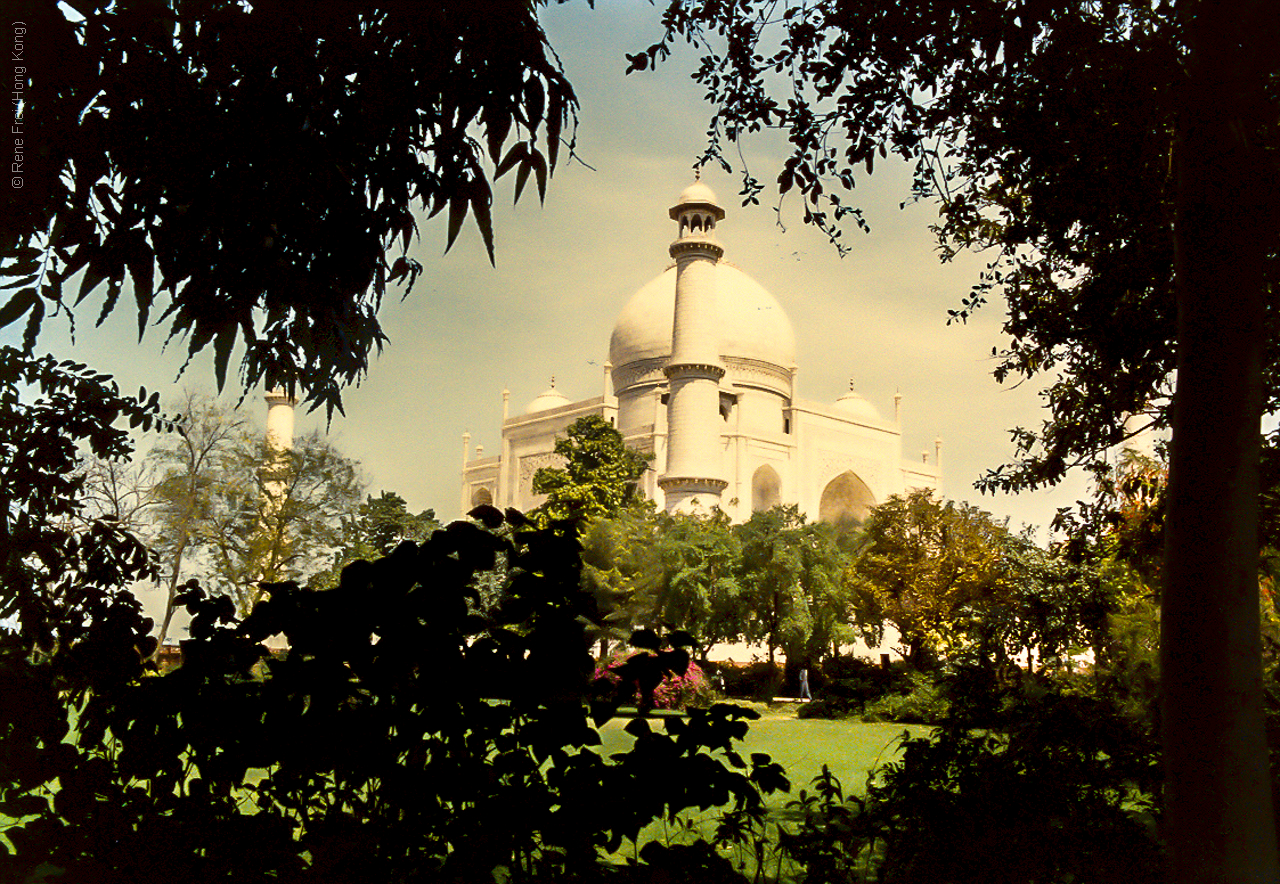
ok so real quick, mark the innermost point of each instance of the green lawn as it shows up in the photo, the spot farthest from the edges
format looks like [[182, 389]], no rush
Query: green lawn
[[850, 748]]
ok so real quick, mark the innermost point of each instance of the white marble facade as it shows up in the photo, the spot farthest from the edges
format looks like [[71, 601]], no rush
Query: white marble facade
[[702, 373]]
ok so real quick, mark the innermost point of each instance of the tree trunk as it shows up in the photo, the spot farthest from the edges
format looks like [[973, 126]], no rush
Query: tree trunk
[[173, 591], [1218, 814]]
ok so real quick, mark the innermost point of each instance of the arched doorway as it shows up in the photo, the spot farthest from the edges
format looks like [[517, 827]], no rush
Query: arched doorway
[[482, 496], [846, 497], [766, 489]]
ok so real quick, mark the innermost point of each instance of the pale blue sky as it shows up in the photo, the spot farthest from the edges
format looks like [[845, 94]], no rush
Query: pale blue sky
[[564, 271]]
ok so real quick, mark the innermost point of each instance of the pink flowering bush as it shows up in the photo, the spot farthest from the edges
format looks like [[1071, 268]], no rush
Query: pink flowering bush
[[675, 692]]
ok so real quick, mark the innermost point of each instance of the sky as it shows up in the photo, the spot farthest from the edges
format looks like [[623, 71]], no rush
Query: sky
[[565, 269]]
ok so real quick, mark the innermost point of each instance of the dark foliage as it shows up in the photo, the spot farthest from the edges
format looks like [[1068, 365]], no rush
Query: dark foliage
[[1044, 131], [403, 737], [847, 684], [754, 681], [1063, 791], [251, 169], [56, 565]]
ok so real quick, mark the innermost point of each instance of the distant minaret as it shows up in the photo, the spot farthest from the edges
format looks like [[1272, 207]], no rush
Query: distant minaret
[[693, 478], [280, 420], [275, 483], [279, 443]]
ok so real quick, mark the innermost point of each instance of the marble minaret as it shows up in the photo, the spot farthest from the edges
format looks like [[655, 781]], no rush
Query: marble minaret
[[693, 479], [279, 443]]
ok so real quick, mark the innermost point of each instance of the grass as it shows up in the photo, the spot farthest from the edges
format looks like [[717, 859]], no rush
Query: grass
[[850, 748]]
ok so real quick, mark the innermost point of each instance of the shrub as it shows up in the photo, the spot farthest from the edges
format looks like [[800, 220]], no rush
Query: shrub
[[416, 739], [850, 683], [758, 680], [829, 708], [676, 691], [1065, 792], [925, 702]]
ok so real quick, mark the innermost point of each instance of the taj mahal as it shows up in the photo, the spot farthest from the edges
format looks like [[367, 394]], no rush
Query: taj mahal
[[701, 374]]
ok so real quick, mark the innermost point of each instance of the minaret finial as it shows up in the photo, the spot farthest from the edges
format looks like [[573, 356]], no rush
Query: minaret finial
[[850, 385], [553, 382], [697, 173]]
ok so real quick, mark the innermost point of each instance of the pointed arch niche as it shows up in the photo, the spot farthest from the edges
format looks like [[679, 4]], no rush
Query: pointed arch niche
[[482, 496], [845, 497], [766, 489]]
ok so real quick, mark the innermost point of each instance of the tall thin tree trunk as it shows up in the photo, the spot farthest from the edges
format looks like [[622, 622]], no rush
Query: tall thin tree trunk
[[1218, 814], [173, 591]]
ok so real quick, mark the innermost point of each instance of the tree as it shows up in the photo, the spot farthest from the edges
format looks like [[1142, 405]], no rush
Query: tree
[[1118, 157], [701, 589], [928, 563], [622, 571], [277, 517], [599, 475], [223, 504], [116, 490], [265, 159], [380, 525], [794, 590], [666, 572], [1048, 606], [62, 567], [192, 463]]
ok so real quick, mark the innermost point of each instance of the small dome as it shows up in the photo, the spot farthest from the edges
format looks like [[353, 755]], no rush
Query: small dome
[[856, 405], [697, 194], [750, 322], [548, 399]]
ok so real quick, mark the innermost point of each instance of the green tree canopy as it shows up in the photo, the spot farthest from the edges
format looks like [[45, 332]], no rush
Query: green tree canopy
[[701, 587], [1048, 606], [278, 517], [926, 563], [374, 530], [666, 572], [599, 476], [794, 592]]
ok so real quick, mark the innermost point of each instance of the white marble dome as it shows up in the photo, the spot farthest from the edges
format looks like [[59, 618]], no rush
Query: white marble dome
[[697, 192], [548, 399], [751, 323], [856, 405]]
